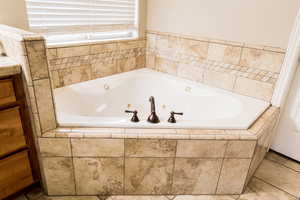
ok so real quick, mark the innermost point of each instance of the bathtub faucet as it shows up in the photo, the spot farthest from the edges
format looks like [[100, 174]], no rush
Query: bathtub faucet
[[153, 118]]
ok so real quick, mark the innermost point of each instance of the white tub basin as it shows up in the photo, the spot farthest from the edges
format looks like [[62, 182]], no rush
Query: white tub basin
[[102, 102]]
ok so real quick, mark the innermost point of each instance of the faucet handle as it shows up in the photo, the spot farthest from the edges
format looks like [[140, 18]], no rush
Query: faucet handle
[[134, 117], [172, 117]]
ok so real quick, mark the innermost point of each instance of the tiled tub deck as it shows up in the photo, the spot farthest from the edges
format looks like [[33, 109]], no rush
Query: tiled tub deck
[[101, 161]]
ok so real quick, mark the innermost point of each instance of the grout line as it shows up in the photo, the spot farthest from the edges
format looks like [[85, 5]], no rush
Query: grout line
[[282, 165], [275, 186], [222, 164], [124, 163], [173, 169], [73, 165]]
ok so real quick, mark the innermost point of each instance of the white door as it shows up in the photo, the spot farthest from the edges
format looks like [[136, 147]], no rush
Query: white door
[[287, 140]]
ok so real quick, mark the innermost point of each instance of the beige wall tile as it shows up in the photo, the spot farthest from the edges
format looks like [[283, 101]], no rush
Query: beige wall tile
[[102, 69], [194, 47], [266, 60], [101, 48], [99, 176], [51, 54], [233, 176], [196, 176], [131, 44], [37, 59], [240, 149], [201, 148], [72, 51], [98, 147], [224, 53], [219, 79], [45, 105], [150, 148], [34, 46], [59, 177], [50, 147], [54, 75], [126, 64], [257, 158], [167, 46], [151, 41], [167, 66], [75, 75], [254, 88], [190, 72], [140, 62], [148, 175], [150, 61]]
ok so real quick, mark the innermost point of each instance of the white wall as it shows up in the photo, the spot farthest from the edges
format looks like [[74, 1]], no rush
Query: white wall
[[287, 140], [13, 13], [262, 22]]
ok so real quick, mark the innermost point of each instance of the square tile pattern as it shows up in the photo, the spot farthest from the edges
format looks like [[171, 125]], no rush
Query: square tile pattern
[[245, 69], [265, 185], [169, 162]]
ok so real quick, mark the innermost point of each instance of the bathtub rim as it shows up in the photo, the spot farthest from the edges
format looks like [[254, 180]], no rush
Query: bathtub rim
[[253, 133]]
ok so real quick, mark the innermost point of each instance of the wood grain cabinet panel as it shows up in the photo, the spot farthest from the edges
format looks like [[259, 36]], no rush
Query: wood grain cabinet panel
[[15, 174], [11, 132], [7, 94]]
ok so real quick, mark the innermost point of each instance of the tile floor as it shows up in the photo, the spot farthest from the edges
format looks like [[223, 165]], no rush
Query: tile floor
[[278, 178]]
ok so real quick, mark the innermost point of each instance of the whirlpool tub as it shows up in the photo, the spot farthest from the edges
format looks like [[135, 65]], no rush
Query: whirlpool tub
[[102, 102]]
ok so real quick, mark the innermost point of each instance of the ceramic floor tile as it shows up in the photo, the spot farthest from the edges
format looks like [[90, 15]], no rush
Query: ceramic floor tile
[[279, 176], [259, 190], [283, 161], [205, 197], [137, 198]]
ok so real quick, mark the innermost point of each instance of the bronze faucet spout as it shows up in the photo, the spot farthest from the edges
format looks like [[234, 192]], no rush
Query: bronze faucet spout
[[153, 118]]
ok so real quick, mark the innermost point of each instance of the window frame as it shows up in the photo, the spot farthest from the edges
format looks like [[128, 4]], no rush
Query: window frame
[[87, 31]]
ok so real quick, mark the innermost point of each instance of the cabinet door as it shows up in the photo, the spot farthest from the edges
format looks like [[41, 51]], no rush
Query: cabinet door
[[7, 94], [11, 132], [15, 174]]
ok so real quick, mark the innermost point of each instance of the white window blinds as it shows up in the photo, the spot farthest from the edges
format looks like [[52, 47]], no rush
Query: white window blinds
[[62, 15]]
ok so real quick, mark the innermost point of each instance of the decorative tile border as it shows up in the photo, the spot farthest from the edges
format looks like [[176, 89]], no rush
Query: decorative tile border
[[245, 69], [75, 64]]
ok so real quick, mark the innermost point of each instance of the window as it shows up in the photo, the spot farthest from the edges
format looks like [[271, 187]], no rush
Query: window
[[77, 20]]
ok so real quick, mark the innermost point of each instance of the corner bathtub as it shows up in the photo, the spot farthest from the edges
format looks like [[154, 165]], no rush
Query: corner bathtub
[[102, 102]]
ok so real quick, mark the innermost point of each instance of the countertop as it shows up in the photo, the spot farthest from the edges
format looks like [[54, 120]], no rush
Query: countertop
[[8, 66]]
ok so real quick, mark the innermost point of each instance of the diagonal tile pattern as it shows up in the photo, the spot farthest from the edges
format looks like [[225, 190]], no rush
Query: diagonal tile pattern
[[278, 178]]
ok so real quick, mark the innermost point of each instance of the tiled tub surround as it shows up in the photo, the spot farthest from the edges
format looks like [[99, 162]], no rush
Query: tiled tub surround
[[245, 69], [28, 50], [73, 64], [98, 161], [68, 170]]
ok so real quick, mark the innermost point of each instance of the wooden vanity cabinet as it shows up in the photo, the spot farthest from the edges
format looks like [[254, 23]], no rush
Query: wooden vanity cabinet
[[18, 159]]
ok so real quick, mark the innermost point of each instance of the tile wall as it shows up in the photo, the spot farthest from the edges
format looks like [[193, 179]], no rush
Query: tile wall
[[69, 65], [153, 161], [242, 68]]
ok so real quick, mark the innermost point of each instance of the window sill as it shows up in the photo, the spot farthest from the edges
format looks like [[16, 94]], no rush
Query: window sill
[[78, 39], [87, 42]]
